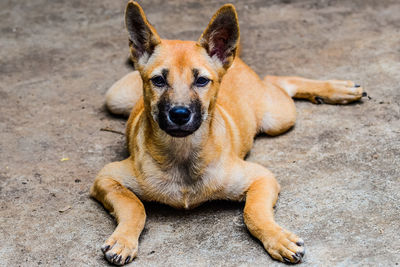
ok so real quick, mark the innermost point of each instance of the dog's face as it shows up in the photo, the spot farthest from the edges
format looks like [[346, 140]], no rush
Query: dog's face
[[181, 78], [179, 86]]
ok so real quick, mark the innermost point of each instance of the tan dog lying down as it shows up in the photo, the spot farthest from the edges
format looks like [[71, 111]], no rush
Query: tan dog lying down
[[196, 109]]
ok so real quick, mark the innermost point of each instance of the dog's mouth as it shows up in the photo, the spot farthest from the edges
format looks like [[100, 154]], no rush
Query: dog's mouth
[[179, 133], [179, 121], [179, 130]]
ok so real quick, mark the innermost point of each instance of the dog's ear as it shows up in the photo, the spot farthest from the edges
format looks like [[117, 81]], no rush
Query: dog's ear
[[142, 36], [221, 37]]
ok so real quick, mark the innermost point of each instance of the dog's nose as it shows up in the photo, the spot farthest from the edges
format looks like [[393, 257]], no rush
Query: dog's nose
[[179, 115]]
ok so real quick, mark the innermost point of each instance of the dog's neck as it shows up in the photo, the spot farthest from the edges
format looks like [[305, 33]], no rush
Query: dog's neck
[[172, 152]]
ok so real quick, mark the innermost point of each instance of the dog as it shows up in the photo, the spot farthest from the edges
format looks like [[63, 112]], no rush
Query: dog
[[194, 109]]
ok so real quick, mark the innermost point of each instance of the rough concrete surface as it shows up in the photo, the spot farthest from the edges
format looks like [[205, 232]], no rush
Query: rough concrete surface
[[339, 166]]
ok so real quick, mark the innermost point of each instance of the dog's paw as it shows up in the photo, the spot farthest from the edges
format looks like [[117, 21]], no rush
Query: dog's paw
[[120, 249], [284, 246], [339, 92]]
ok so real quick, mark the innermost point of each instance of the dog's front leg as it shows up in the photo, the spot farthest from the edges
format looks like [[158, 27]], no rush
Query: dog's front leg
[[259, 218], [122, 246]]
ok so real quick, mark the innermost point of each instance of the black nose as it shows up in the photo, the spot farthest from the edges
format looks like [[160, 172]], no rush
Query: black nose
[[179, 115]]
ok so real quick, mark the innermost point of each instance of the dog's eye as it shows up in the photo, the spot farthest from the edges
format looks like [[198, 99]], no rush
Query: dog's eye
[[202, 81], [158, 81]]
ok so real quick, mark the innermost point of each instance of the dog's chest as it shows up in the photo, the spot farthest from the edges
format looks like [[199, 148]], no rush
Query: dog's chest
[[179, 186]]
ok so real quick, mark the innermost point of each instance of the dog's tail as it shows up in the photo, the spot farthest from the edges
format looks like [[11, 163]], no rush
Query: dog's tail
[[123, 95]]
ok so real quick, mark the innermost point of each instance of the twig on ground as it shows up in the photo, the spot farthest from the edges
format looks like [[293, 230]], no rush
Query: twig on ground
[[108, 129]]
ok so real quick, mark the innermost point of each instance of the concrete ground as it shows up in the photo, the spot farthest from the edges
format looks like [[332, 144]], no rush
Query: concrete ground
[[339, 167]]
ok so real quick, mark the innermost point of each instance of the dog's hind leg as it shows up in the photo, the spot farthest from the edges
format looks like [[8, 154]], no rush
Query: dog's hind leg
[[124, 94], [275, 110], [329, 91], [122, 246]]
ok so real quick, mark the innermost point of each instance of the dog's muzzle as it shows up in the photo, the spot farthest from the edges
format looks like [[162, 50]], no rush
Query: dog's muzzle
[[179, 121]]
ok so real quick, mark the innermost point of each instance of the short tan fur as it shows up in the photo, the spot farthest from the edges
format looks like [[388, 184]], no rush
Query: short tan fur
[[184, 164]]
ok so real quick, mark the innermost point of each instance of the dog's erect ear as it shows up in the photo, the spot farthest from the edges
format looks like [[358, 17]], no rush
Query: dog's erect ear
[[221, 38], [143, 37]]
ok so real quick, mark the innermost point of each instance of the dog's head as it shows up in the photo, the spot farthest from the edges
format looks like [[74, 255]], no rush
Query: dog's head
[[181, 78]]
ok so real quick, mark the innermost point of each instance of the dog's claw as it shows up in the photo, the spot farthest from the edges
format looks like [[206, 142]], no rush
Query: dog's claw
[[110, 257], [357, 85], [296, 258], [300, 254], [300, 243], [105, 248], [118, 259], [364, 94], [127, 259], [319, 100], [286, 260]]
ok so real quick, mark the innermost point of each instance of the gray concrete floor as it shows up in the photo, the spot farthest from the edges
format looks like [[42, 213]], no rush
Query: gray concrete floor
[[339, 167]]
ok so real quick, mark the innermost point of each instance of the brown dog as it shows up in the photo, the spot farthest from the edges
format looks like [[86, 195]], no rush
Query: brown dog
[[196, 109]]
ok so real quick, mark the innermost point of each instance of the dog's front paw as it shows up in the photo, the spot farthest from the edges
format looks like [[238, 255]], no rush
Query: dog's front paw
[[339, 92], [119, 249], [284, 246]]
